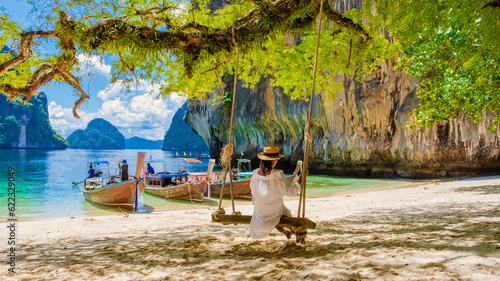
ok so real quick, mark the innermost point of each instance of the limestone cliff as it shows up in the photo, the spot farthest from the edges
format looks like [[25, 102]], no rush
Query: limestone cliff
[[27, 125], [179, 135], [361, 132]]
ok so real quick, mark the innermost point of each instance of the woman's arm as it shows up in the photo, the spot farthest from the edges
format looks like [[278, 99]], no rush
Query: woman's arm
[[304, 173], [286, 188]]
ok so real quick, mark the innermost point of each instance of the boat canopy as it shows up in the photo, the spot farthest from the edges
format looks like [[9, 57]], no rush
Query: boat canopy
[[155, 161], [98, 170], [166, 176], [201, 155], [244, 174], [244, 168], [190, 160]]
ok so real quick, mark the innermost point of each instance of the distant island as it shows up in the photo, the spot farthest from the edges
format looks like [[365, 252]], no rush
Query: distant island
[[99, 134], [140, 143], [180, 136], [27, 125]]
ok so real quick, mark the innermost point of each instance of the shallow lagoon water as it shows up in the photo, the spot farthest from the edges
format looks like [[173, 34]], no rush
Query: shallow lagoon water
[[44, 179]]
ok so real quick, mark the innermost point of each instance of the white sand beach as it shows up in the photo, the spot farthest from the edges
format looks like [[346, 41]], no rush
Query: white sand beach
[[436, 231]]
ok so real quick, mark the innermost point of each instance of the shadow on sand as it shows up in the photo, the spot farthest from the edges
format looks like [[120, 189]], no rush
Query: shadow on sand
[[406, 244]]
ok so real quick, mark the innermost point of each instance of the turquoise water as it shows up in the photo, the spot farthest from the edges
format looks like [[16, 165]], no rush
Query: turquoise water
[[44, 179]]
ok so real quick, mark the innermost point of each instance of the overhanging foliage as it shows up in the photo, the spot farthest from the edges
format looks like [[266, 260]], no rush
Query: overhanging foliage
[[452, 44]]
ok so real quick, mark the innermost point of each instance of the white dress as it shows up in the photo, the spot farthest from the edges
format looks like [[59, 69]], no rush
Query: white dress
[[267, 198]]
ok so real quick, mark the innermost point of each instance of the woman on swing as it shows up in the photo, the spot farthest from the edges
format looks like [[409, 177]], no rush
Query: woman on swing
[[268, 186]]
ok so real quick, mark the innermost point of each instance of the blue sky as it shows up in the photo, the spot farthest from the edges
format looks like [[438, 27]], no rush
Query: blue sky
[[137, 113]]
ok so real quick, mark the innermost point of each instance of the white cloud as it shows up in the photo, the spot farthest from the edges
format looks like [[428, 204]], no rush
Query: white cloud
[[93, 65], [56, 110], [118, 89], [154, 90], [110, 93], [135, 113], [63, 122], [181, 8], [143, 116]]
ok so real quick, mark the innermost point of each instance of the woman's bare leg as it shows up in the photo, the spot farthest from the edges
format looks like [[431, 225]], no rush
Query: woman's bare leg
[[281, 229]]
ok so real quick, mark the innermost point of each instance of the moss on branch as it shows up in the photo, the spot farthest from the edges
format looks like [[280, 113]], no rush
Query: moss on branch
[[189, 40]]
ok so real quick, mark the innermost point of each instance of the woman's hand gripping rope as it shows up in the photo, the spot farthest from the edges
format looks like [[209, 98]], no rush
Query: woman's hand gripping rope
[[297, 168]]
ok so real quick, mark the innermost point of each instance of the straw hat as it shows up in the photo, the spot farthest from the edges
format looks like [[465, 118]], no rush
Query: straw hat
[[270, 153]]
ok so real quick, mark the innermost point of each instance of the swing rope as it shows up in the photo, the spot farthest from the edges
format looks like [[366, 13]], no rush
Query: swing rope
[[227, 151], [307, 135]]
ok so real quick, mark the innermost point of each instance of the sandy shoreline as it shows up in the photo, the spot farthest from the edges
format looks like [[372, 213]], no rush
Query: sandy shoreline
[[438, 231]]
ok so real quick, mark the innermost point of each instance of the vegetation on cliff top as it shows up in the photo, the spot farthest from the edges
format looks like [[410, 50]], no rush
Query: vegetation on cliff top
[[10, 131], [99, 134], [451, 44], [180, 136], [34, 116]]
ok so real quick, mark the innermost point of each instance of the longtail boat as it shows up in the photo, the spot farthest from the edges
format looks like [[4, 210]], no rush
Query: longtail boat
[[203, 156], [109, 190], [241, 182], [215, 177], [173, 186]]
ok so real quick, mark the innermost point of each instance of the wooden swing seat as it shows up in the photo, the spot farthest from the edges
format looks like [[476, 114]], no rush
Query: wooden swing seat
[[284, 221]]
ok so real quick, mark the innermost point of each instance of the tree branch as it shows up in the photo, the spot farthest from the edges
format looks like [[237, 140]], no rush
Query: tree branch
[[255, 24], [45, 72], [493, 4], [71, 80], [349, 55], [30, 89], [152, 12], [217, 66], [39, 72], [338, 18], [191, 39], [247, 28], [26, 39], [131, 69]]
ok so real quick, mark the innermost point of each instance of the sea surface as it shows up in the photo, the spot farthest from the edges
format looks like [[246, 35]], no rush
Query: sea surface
[[44, 182]]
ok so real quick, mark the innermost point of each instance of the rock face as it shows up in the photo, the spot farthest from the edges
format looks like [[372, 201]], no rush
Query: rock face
[[27, 126], [99, 134], [361, 132], [180, 136]]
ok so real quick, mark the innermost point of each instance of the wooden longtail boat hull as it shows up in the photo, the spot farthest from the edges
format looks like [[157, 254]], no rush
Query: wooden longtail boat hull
[[241, 189], [214, 177], [194, 191], [117, 195]]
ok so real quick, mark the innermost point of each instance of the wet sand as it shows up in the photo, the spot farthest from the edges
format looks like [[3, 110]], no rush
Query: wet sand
[[437, 231]]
